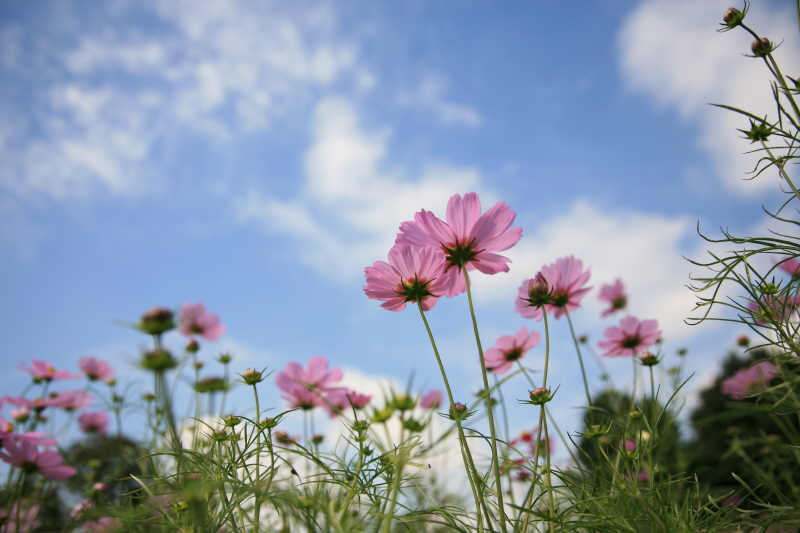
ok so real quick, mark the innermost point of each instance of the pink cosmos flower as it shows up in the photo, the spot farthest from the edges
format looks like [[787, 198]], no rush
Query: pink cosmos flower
[[532, 296], [431, 399], [510, 348], [34, 437], [96, 422], [83, 505], [26, 516], [305, 388], [411, 275], [630, 446], [20, 414], [614, 294], [773, 307], [630, 338], [749, 380], [790, 266], [468, 238], [25, 455], [44, 371], [358, 400], [105, 524], [96, 369], [195, 320], [566, 280], [70, 400]]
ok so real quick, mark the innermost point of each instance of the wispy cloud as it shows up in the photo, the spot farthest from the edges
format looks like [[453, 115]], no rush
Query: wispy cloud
[[670, 51], [429, 96]]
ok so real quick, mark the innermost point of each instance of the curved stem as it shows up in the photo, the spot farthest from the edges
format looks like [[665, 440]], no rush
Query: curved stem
[[488, 401], [469, 465], [580, 360]]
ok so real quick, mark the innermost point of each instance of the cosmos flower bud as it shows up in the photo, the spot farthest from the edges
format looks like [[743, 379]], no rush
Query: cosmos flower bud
[[318, 439], [268, 422], [732, 18], [540, 396], [225, 358], [404, 402], [219, 435], [761, 47], [413, 425], [648, 359], [232, 420], [156, 321], [193, 346], [743, 341], [458, 411], [211, 384], [158, 360], [382, 415], [583, 339], [252, 376]]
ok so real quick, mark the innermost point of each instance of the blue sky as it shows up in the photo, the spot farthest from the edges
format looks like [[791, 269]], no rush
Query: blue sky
[[256, 157]]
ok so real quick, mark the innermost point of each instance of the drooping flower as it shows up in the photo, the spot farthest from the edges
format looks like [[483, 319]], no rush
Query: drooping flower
[[510, 348], [195, 320], [44, 371], [566, 282], [411, 275], [614, 295], [96, 422], [749, 380], [25, 455], [306, 388], [630, 338], [468, 238], [96, 369], [431, 399]]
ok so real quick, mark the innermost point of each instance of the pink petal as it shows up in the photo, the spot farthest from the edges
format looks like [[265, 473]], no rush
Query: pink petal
[[462, 214]]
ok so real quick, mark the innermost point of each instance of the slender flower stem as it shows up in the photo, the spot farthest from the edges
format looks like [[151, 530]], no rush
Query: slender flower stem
[[258, 461], [469, 465], [488, 401], [580, 359], [652, 386]]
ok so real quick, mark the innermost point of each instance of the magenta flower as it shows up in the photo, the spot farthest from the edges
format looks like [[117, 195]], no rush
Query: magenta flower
[[749, 380], [630, 338], [614, 295], [773, 308], [25, 515], [44, 371], [431, 399], [790, 266], [510, 348], [566, 281], [96, 369], [411, 275], [468, 239], [357, 400], [630, 446], [305, 388], [532, 296], [96, 422], [195, 320], [25, 455], [69, 400]]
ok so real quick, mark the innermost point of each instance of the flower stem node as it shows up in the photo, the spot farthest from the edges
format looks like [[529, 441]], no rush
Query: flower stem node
[[157, 321], [648, 359], [540, 396], [252, 376]]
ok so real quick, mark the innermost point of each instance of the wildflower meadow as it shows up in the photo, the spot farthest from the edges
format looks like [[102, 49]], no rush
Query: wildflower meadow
[[159, 445]]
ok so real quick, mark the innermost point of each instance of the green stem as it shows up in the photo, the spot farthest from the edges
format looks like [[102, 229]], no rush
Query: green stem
[[488, 401], [257, 492], [580, 359], [652, 386], [469, 465]]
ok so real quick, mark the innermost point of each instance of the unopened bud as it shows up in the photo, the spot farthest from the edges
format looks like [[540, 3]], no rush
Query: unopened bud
[[224, 358], [158, 360], [540, 396], [743, 341], [252, 376], [733, 17], [648, 359], [761, 47], [156, 321], [193, 346], [318, 439], [458, 411]]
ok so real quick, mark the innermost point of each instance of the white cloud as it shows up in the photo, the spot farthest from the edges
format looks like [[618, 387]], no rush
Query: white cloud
[[352, 202], [670, 51], [429, 96]]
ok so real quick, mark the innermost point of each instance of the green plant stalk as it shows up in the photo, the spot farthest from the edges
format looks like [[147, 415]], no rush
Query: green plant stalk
[[540, 425], [499, 387], [580, 358], [488, 401], [469, 465], [652, 386], [256, 498], [397, 475]]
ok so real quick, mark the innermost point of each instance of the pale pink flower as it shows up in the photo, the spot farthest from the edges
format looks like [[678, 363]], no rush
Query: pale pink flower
[[195, 320], [70, 400], [96, 369], [104, 524], [431, 399], [96, 422], [468, 238], [510, 348], [790, 266], [411, 275], [26, 515], [773, 308], [566, 282], [34, 437], [630, 338], [20, 414], [749, 380], [83, 505], [305, 388], [358, 400], [44, 371], [532, 296], [23, 454], [614, 295]]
